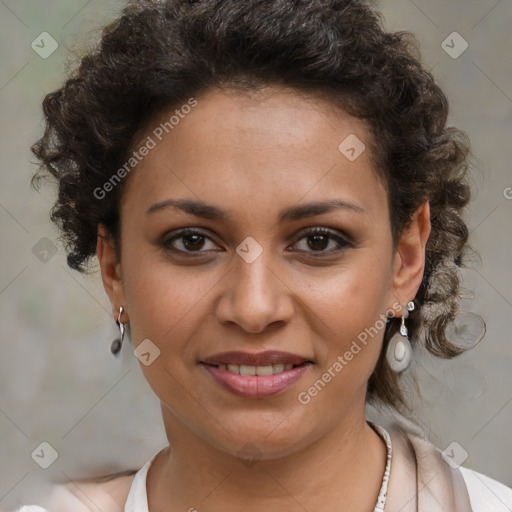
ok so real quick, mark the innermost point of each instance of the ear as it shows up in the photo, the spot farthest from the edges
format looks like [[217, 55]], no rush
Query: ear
[[409, 260], [110, 270]]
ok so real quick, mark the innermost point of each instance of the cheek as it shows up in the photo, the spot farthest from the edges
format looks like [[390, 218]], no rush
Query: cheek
[[352, 309], [165, 302], [163, 307]]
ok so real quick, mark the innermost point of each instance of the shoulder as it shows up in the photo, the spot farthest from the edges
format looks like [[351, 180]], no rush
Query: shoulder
[[485, 492], [86, 496]]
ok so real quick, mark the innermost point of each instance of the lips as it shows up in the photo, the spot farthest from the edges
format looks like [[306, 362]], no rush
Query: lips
[[256, 375], [256, 386], [267, 358]]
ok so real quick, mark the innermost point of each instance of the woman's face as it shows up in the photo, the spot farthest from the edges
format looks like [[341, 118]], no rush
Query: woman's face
[[249, 276]]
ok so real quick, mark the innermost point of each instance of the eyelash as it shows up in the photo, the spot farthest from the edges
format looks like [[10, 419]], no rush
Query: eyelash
[[342, 242]]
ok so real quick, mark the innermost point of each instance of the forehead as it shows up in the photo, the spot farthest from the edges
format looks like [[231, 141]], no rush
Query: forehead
[[274, 144]]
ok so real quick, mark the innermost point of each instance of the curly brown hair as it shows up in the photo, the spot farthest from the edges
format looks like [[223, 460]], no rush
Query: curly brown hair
[[158, 54]]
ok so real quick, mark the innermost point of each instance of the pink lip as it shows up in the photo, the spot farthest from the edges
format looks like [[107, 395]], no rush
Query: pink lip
[[255, 359], [256, 386]]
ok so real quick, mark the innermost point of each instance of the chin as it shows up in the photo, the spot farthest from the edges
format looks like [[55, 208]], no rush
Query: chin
[[268, 441]]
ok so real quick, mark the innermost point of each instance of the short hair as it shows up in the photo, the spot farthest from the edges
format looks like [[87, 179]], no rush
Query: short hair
[[158, 54]]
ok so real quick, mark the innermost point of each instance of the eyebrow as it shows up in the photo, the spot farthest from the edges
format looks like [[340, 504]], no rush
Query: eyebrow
[[294, 213]]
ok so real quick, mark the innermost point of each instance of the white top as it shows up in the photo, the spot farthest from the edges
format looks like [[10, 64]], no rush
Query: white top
[[485, 494], [137, 500]]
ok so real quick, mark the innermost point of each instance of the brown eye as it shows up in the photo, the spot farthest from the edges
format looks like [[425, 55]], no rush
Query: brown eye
[[189, 240], [319, 239], [193, 242], [318, 242]]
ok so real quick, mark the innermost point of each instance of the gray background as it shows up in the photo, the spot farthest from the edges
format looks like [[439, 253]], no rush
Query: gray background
[[59, 383]]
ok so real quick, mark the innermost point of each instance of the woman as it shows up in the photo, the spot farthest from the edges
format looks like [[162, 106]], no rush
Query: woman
[[276, 204]]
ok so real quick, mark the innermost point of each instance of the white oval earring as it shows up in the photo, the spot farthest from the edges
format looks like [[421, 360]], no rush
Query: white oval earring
[[399, 351]]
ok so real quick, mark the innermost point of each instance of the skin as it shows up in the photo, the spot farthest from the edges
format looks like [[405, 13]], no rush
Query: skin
[[254, 155]]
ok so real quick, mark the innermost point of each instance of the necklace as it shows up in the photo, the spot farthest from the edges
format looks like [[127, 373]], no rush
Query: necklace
[[381, 499]]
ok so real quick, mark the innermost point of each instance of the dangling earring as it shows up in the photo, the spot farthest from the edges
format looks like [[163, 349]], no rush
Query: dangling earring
[[116, 345], [399, 351]]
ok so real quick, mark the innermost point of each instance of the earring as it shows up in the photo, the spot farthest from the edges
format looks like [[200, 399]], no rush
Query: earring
[[399, 351], [116, 345]]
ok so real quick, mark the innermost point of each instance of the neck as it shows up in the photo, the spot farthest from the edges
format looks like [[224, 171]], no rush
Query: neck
[[341, 471]]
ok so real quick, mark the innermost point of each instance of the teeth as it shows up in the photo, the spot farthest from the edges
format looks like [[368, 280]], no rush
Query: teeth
[[262, 370], [247, 370], [243, 369], [277, 368]]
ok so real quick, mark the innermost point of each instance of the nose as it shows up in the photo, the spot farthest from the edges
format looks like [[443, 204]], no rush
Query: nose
[[255, 296]]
